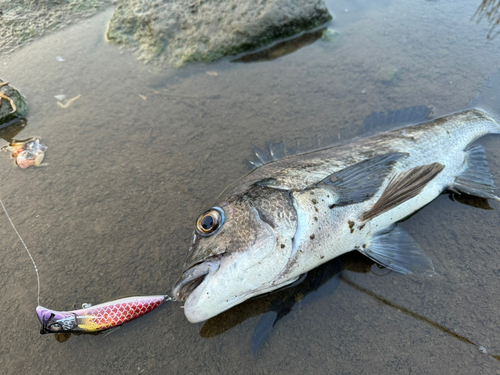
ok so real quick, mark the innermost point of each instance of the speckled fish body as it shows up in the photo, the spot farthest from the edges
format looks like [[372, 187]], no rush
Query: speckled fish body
[[99, 317], [289, 216]]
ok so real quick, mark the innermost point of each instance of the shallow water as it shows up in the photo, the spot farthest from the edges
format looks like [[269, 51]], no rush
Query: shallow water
[[112, 214]]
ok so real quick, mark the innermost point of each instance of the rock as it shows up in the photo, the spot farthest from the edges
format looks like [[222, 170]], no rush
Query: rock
[[6, 118], [387, 74], [178, 31], [329, 35], [22, 21]]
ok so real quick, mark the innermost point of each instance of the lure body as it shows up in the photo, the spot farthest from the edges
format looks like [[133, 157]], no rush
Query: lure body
[[28, 152], [99, 317]]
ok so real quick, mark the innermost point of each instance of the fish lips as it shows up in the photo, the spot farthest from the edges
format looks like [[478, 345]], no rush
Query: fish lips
[[193, 277]]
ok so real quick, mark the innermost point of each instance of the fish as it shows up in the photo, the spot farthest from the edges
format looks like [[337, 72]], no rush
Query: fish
[[97, 318], [291, 215]]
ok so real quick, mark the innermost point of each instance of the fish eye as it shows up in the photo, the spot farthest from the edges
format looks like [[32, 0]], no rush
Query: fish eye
[[55, 327], [210, 221]]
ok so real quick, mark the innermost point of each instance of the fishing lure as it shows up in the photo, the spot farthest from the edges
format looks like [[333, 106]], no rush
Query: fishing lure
[[99, 317], [89, 318], [28, 152]]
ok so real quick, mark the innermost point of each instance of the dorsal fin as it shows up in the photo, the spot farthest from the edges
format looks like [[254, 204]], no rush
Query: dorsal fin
[[273, 151], [389, 120], [376, 122]]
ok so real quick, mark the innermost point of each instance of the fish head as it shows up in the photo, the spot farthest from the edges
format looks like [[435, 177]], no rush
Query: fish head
[[56, 321], [240, 249]]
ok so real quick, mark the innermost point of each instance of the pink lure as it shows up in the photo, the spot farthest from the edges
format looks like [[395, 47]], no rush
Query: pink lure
[[99, 317]]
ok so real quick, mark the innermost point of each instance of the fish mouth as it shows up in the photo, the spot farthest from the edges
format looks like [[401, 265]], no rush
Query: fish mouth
[[193, 277]]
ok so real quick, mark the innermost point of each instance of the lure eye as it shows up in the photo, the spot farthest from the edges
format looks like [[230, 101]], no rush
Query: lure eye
[[210, 221], [55, 327]]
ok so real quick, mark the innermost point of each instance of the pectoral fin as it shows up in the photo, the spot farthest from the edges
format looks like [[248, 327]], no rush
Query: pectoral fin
[[403, 187], [361, 181], [476, 179], [396, 250]]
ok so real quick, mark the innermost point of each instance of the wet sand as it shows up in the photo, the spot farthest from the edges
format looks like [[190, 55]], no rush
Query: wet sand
[[112, 214]]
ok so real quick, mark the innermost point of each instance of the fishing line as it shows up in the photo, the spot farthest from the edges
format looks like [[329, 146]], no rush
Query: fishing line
[[26, 247]]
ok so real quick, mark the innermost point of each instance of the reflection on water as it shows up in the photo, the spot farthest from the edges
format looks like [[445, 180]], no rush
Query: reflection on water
[[489, 9], [318, 283], [9, 131], [65, 336], [283, 48], [471, 200]]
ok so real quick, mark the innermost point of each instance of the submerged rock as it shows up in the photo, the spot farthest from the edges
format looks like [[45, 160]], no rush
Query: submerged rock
[[6, 111], [178, 31], [329, 35], [387, 74]]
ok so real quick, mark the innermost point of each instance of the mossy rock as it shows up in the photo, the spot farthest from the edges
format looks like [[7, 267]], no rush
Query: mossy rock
[[6, 117], [178, 31]]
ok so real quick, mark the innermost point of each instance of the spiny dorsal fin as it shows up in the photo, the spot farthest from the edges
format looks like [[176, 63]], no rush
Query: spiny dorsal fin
[[403, 187], [375, 122], [274, 151]]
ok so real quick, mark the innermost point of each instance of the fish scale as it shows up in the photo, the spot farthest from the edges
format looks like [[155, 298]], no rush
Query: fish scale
[[109, 316]]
